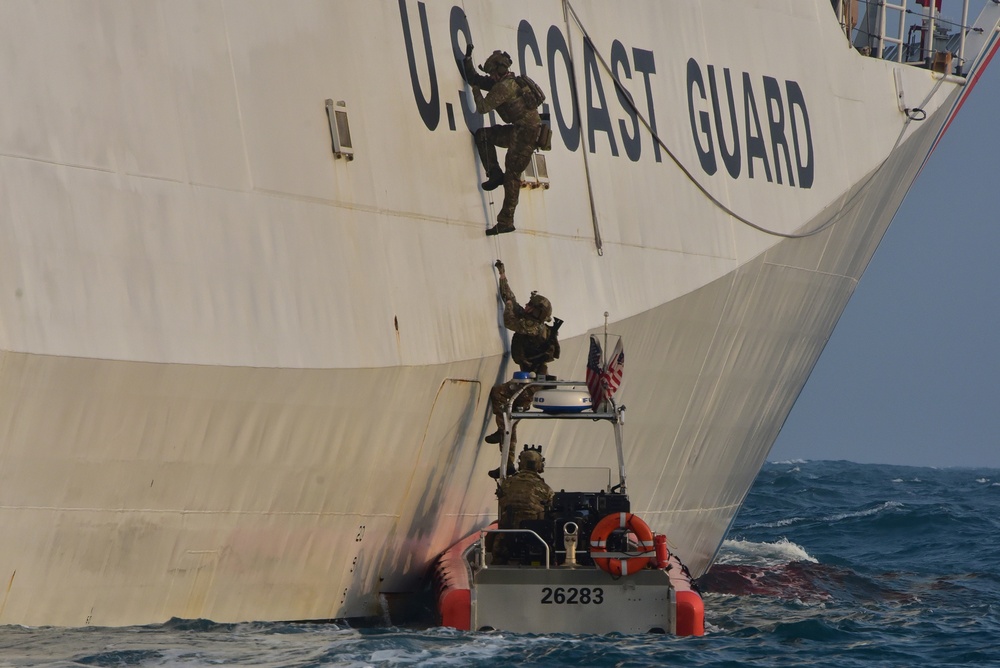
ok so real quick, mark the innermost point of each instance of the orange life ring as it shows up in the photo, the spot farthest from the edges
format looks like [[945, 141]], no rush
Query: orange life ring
[[621, 565]]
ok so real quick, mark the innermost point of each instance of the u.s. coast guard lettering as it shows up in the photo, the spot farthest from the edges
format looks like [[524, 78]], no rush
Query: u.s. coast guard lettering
[[757, 127], [750, 144], [628, 64]]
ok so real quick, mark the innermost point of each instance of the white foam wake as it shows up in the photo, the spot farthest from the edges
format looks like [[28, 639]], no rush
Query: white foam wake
[[778, 553]]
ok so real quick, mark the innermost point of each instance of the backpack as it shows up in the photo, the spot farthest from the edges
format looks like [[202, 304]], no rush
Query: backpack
[[531, 92]]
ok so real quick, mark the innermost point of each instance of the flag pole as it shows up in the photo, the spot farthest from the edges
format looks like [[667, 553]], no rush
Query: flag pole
[[605, 349]]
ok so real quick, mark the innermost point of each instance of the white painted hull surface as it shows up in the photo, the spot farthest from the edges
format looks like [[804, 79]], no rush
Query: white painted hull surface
[[241, 379]]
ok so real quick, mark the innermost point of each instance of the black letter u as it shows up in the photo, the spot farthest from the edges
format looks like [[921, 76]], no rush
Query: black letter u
[[430, 110]]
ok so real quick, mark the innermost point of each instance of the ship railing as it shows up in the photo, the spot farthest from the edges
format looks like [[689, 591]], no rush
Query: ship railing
[[610, 412], [882, 31], [883, 37], [482, 544]]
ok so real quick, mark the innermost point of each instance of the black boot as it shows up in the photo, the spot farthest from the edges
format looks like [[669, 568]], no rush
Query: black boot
[[495, 437], [495, 473], [500, 228], [495, 180]]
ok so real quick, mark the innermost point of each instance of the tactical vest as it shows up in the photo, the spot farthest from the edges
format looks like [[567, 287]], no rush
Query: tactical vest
[[523, 496], [516, 108], [533, 353]]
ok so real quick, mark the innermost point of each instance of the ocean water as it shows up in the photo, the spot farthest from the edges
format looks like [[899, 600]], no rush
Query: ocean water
[[828, 564]]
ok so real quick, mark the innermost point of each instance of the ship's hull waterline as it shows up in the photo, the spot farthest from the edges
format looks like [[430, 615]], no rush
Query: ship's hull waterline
[[243, 380]]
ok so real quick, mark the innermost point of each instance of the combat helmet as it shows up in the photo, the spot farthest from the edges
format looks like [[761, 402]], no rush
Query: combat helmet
[[531, 459], [499, 62], [542, 306]]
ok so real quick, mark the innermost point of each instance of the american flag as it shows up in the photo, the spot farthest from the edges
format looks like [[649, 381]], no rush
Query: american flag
[[612, 376], [594, 373]]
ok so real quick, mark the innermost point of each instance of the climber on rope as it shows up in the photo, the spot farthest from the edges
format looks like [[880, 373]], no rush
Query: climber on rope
[[516, 99], [535, 343]]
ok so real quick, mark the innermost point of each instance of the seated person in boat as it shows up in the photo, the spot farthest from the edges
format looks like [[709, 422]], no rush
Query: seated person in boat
[[523, 496]]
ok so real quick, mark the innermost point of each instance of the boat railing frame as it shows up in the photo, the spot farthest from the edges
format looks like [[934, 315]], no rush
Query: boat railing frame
[[616, 416], [481, 560]]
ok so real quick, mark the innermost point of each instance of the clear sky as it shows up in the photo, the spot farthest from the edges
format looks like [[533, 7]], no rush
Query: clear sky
[[911, 374]]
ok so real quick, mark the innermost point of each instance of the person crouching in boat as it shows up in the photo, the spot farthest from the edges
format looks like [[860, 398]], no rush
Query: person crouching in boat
[[522, 496], [532, 347], [520, 136]]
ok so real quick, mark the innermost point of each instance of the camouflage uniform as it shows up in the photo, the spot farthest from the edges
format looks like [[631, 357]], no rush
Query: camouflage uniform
[[519, 137], [522, 496], [472, 76], [533, 346]]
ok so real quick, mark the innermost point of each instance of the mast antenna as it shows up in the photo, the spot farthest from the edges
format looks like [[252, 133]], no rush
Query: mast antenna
[[605, 350]]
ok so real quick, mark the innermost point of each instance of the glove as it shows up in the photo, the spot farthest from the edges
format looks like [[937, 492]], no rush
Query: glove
[[499, 265], [468, 50]]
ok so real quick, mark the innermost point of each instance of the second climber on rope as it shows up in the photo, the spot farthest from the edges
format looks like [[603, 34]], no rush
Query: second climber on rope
[[534, 344], [516, 99]]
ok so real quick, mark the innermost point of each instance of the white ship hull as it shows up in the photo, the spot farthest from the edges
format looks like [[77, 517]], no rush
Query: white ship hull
[[241, 379]]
